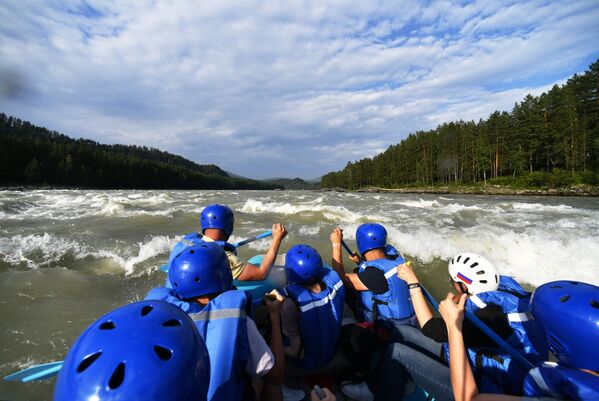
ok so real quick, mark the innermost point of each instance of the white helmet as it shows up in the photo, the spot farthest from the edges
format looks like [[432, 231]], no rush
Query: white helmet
[[474, 271]]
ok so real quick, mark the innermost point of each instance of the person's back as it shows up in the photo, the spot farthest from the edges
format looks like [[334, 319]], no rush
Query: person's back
[[312, 313], [494, 368], [387, 296], [202, 286]]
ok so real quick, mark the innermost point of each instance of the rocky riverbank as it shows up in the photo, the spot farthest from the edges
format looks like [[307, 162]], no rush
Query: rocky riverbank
[[574, 190]]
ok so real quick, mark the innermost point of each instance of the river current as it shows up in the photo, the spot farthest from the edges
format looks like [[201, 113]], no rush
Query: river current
[[69, 256]]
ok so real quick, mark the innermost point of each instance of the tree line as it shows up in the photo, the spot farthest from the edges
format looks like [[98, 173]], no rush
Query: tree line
[[546, 140], [31, 155]]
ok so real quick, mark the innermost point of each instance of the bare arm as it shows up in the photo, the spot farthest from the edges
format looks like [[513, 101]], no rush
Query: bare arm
[[252, 272], [423, 312], [462, 380], [350, 280], [277, 373]]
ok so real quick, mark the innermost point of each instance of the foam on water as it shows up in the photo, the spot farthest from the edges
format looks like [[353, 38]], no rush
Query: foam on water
[[38, 251], [332, 213]]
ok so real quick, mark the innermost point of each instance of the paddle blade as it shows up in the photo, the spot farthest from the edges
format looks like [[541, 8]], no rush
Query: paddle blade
[[38, 372]]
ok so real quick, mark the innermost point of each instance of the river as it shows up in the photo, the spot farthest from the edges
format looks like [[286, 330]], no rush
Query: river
[[69, 256]]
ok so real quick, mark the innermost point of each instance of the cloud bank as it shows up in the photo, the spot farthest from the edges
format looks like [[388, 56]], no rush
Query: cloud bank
[[268, 88]]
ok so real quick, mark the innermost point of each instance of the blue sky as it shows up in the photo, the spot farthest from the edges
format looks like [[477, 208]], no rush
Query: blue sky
[[269, 88]]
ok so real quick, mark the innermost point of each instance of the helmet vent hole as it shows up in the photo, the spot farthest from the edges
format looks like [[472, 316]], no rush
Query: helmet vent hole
[[573, 283], [482, 281], [459, 257], [191, 251], [480, 272], [452, 262], [109, 325], [87, 361], [171, 323], [473, 265], [118, 377], [204, 246], [146, 309], [496, 279], [175, 284], [466, 260], [300, 251], [564, 298], [163, 353], [213, 217], [594, 304], [196, 279], [555, 286]]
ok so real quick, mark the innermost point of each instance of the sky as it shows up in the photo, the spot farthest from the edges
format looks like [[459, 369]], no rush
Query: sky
[[274, 88]]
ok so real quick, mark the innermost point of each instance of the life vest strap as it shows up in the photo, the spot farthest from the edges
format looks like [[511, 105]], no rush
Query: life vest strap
[[477, 301], [518, 317], [391, 273], [537, 377], [218, 314], [323, 301]]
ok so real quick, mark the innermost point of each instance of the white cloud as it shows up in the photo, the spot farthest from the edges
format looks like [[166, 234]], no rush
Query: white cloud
[[295, 87]]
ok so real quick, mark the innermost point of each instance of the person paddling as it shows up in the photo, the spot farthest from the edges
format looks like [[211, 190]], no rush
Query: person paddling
[[382, 295], [568, 313], [217, 223], [202, 286], [383, 302], [499, 301], [144, 351]]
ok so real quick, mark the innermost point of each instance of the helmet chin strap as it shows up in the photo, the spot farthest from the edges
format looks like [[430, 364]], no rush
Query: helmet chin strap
[[463, 288]]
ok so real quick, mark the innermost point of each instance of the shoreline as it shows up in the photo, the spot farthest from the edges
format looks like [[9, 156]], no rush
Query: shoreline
[[575, 190]]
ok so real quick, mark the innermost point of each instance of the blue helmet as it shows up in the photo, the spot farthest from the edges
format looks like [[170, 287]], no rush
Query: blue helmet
[[370, 236], [149, 350], [303, 265], [217, 216], [568, 313], [200, 270]]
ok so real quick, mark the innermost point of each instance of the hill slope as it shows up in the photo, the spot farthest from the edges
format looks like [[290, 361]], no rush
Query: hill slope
[[31, 155]]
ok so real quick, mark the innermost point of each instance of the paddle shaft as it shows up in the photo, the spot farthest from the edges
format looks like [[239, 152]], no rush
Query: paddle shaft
[[164, 268], [257, 237], [38, 372]]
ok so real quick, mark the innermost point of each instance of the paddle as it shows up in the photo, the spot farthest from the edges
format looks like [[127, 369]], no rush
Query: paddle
[[38, 372], [164, 268]]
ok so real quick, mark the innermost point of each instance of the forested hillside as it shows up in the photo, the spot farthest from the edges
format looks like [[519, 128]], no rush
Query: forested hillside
[[549, 140], [31, 155]]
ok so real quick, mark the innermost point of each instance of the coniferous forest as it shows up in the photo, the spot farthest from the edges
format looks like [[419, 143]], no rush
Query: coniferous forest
[[31, 155], [550, 140]]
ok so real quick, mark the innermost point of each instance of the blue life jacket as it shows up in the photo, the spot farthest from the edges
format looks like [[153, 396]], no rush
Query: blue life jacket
[[320, 319], [493, 368], [552, 380], [223, 326], [395, 304], [195, 238]]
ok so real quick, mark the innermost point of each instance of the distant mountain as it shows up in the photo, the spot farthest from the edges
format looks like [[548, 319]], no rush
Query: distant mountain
[[31, 155], [292, 183]]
